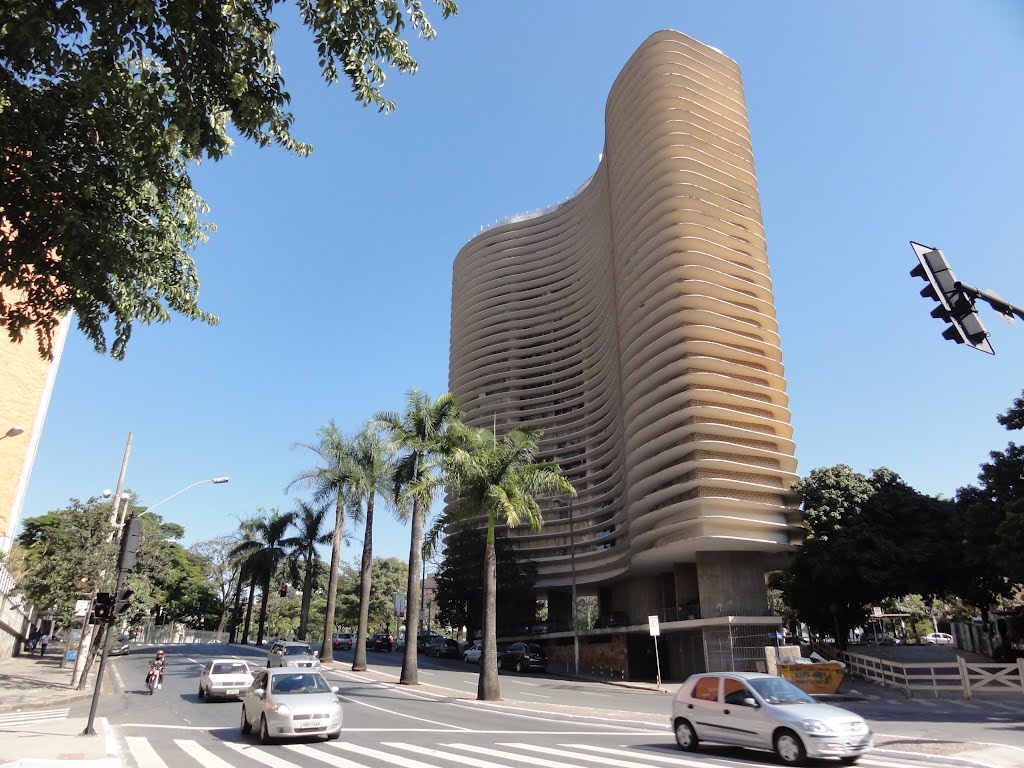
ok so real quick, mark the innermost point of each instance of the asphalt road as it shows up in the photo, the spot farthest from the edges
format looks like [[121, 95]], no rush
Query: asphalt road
[[391, 725]]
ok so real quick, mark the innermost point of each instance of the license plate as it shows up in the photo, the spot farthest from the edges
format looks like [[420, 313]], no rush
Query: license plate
[[313, 724], [231, 692]]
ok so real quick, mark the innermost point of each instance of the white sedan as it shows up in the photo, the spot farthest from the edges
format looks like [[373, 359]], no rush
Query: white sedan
[[224, 679], [937, 638], [472, 654]]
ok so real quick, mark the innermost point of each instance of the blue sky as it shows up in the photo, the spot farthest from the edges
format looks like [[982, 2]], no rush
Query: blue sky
[[873, 124]]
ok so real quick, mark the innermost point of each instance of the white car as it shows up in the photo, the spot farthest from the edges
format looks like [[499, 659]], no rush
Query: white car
[[937, 638], [292, 654], [290, 702], [750, 709], [472, 654], [224, 679]]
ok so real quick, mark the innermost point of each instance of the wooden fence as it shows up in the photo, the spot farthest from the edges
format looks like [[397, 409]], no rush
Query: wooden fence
[[960, 676]]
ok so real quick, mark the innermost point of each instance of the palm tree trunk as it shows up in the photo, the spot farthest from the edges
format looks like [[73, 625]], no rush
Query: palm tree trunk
[[327, 648], [248, 610], [236, 610], [487, 687], [263, 606], [365, 576], [307, 594], [410, 672]]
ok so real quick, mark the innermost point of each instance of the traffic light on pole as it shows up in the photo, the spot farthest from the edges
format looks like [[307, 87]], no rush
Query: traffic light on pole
[[284, 590], [121, 603], [132, 541], [954, 307], [101, 607]]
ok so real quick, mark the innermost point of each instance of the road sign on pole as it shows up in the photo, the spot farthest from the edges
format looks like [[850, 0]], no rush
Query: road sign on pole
[[655, 632]]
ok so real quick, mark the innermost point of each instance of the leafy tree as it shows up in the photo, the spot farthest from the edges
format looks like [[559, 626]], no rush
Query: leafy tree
[[309, 520], [497, 482], [104, 106], [460, 591], [868, 539], [329, 480], [424, 437], [221, 570], [993, 514], [370, 474]]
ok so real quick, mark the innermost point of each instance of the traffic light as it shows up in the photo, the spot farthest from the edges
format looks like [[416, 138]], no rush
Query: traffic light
[[954, 307], [132, 541], [101, 607], [121, 603], [284, 590]]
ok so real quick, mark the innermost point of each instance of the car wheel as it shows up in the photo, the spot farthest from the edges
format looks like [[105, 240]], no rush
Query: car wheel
[[465, 657], [202, 693], [246, 726], [789, 748], [849, 759], [264, 731], [686, 737], [519, 666]]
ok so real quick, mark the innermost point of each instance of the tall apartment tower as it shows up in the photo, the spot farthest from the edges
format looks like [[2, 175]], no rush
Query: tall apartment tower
[[635, 325]]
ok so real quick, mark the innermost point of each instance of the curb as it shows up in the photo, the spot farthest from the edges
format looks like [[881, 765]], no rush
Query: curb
[[924, 757]]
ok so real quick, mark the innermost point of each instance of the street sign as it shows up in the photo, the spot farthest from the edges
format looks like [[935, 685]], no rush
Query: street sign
[[655, 627]]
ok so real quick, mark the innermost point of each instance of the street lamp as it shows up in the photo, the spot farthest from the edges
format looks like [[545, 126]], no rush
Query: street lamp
[[12, 432], [214, 480]]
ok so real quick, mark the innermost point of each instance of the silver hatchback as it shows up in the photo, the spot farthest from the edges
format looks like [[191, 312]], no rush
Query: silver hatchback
[[287, 702], [292, 654], [750, 709]]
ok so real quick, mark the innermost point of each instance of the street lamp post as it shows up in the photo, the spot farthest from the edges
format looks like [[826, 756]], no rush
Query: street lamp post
[[122, 567], [12, 432]]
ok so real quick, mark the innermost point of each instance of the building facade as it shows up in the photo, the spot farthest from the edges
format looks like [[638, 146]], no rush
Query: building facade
[[635, 325]]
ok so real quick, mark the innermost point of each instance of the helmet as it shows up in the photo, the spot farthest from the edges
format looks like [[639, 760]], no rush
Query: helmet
[[159, 654]]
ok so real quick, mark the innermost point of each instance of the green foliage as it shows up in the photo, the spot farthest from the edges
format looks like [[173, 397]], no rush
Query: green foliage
[[868, 539], [103, 107], [65, 551], [460, 590], [993, 514]]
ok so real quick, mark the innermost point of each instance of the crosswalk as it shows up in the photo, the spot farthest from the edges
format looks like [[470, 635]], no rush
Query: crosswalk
[[23, 719], [454, 752]]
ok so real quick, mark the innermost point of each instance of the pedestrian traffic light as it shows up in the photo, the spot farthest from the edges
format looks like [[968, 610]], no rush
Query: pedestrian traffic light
[[955, 307], [101, 606], [121, 603], [284, 590]]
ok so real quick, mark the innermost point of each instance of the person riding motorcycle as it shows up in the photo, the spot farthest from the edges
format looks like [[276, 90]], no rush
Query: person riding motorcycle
[[156, 667]]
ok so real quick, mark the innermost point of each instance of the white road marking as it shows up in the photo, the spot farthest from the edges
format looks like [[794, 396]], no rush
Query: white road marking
[[143, 752], [600, 759], [437, 753], [267, 758], [202, 755], [446, 726], [398, 760], [533, 761], [316, 754]]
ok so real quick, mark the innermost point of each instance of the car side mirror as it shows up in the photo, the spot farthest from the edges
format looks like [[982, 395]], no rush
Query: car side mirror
[[279, 652], [335, 688], [749, 701], [260, 693]]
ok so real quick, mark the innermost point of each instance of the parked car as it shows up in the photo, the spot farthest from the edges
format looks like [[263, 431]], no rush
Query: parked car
[[287, 702], [878, 638], [937, 638], [120, 647], [520, 656], [224, 679], [751, 709], [423, 639], [379, 642], [292, 654], [472, 654], [342, 641], [444, 648]]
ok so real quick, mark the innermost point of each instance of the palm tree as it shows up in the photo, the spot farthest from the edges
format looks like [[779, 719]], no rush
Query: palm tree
[[264, 553], [309, 521], [499, 480], [329, 481], [372, 473], [424, 436], [246, 573]]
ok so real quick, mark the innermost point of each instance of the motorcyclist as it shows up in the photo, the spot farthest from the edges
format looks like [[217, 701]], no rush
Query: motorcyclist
[[156, 667]]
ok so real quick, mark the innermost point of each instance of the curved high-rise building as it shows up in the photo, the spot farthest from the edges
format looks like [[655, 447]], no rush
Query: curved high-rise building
[[635, 325]]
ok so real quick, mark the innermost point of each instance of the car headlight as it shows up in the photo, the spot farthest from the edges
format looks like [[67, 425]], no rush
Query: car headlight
[[281, 709], [814, 726]]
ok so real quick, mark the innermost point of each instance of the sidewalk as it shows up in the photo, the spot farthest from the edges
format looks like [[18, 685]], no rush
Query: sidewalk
[[29, 684]]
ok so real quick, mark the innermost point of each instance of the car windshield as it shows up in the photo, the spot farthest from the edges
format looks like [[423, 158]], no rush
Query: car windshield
[[533, 648], [229, 668], [775, 690], [298, 683], [297, 650]]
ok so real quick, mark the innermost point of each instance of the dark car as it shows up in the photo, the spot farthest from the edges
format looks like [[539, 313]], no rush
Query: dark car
[[121, 646], [520, 656], [444, 648], [379, 642]]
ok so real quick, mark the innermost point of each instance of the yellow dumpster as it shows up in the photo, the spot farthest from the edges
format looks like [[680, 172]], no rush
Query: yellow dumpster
[[814, 678]]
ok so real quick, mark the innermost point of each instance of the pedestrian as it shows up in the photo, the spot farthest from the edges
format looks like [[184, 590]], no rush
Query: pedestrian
[[33, 638], [43, 642]]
